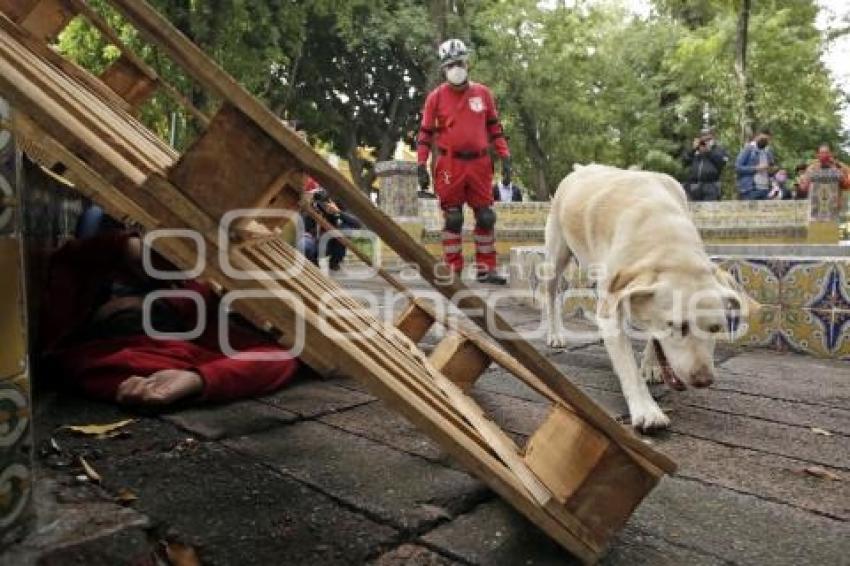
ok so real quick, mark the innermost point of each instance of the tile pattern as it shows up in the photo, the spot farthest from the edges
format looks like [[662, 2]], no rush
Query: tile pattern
[[15, 407], [805, 301]]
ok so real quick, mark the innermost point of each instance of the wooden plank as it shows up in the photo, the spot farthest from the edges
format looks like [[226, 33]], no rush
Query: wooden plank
[[129, 82], [414, 322], [158, 30], [47, 18], [17, 10], [611, 492], [460, 360], [563, 451], [232, 165]]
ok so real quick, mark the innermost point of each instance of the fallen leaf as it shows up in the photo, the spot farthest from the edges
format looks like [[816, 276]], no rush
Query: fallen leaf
[[125, 496], [180, 554], [55, 445], [821, 431], [98, 430], [90, 472], [821, 473]]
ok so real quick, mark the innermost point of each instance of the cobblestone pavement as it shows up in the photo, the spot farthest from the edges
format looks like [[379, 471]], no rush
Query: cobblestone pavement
[[323, 473]]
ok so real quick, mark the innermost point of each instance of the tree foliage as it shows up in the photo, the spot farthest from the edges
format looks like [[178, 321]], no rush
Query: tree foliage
[[575, 81]]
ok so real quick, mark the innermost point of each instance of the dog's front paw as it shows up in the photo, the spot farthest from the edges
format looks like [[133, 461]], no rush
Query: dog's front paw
[[651, 372], [556, 340], [649, 418]]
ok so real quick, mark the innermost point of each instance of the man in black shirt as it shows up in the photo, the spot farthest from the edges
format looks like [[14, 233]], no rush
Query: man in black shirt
[[705, 162]]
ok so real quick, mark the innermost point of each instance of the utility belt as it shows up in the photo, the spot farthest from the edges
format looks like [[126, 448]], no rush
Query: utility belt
[[465, 155]]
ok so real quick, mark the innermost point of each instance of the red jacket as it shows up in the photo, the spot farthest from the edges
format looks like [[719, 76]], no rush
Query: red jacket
[[460, 120]]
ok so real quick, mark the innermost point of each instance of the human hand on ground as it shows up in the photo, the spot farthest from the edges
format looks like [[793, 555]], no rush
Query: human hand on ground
[[161, 388]]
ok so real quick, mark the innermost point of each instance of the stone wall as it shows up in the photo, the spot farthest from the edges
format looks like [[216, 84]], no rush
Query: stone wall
[[805, 300]]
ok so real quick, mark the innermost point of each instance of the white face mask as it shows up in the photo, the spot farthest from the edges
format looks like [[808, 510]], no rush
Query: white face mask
[[456, 75]]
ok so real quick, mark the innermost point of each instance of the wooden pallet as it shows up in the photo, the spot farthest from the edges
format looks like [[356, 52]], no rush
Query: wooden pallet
[[580, 475]]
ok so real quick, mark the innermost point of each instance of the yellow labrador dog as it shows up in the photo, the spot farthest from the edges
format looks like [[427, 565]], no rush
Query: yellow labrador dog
[[633, 229]]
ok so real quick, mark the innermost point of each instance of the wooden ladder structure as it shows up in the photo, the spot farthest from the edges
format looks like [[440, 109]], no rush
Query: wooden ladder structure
[[580, 475]]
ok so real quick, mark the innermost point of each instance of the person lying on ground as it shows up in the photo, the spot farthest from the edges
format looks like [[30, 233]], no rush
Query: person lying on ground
[[93, 336]]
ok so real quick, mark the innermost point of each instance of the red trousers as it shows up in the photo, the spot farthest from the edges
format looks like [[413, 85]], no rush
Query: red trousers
[[466, 181], [98, 367]]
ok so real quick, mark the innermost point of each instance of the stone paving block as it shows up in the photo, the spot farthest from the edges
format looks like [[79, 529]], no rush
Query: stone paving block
[[378, 422], [237, 511], [779, 410], [412, 555], [765, 475], [514, 415], [309, 398], [407, 490], [792, 376], [233, 419], [494, 534], [740, 528], [747, 432]]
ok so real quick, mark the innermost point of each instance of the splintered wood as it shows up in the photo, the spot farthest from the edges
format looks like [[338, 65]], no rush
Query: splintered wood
[[579, 477]]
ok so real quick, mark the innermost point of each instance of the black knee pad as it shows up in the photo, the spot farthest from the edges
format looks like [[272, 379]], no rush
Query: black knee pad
[[485, 218], [454, 220]]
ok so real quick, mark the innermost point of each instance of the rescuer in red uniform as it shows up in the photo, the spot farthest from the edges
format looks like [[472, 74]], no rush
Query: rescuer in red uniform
[[461, 120]]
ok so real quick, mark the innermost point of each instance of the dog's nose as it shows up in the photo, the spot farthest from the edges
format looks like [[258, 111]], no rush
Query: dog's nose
[[703, 377]]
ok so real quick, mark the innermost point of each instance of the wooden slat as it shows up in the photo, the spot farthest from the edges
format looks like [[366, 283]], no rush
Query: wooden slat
[[460, 360], [611, 492], [47, 18], [414, 322], [563, 451], [17, 10], [129, 82], [232, 165]]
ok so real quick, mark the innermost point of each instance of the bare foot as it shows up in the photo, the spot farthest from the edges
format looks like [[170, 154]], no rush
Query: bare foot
[[161, 388]]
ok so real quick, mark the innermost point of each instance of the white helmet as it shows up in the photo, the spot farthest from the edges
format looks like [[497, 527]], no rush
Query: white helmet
[[452, 50]]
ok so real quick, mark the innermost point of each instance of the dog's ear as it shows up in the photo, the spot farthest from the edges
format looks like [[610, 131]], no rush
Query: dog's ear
[[628, 287], [739, 300]]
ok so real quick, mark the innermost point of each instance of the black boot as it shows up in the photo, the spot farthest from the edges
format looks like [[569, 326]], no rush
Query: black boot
[[490, 277]]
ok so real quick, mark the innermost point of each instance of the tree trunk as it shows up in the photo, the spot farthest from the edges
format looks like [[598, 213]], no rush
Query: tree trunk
[[536, 153], [745, 85]]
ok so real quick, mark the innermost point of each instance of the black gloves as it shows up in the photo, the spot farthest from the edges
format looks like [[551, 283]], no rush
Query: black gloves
[[424, 179], [506, 171]]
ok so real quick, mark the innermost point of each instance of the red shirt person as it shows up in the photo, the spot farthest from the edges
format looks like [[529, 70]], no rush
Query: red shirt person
[[460, 119]]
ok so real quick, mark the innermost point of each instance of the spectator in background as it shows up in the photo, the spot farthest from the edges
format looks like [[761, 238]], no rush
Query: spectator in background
[[311, 240], [753, 166], [779, 186], [826, 165], [798, 192], [505, 191], [705, 161]]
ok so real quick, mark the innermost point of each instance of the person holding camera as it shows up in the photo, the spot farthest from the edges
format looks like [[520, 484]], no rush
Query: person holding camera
[[312, 240], [460, 120], [705, 162], [754, 167]]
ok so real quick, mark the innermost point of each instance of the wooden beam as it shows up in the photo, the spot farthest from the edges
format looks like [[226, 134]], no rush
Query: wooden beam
[[414, 322], [460, 360], [129, 82], [563, 451], [232, 165], [47, 19]]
